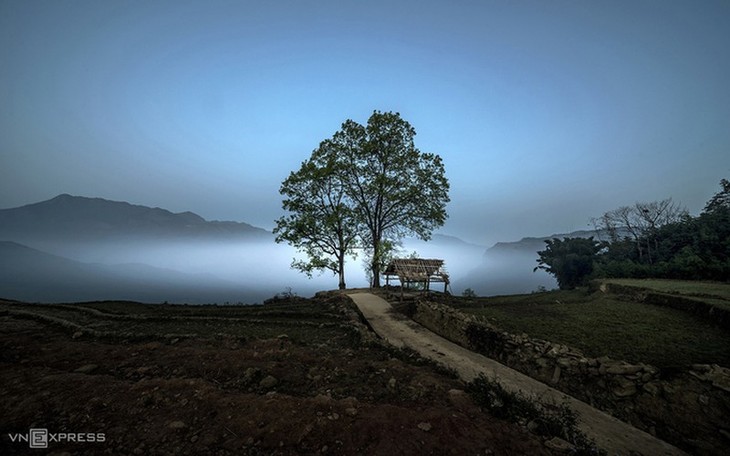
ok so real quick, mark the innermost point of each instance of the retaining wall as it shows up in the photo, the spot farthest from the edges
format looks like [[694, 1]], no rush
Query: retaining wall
[[688, 408]]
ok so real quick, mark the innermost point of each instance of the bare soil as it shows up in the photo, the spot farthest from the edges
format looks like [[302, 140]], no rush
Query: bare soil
[[264, 380]]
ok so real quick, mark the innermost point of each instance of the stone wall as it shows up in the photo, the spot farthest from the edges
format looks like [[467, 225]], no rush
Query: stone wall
[[688, 408]]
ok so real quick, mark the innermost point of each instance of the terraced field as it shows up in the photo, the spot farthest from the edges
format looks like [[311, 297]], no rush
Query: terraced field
[[291, 377]]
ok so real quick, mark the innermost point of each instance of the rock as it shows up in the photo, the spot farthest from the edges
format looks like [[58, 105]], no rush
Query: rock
[[651, 388], [268, 382], [176, 425], [193, 439], [350, 411], [424, 426], [703, 399], [623, 387], [556, 375], [623, 369], [558, 444], [322, 399], [717, 375], [87, 369], [76, 335], [250, 374], [392, 383]]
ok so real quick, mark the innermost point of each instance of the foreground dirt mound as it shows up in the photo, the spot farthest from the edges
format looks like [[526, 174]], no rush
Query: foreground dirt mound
[[323, 391]]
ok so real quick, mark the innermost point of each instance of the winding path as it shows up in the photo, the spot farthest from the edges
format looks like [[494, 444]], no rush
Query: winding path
[[609, 433]]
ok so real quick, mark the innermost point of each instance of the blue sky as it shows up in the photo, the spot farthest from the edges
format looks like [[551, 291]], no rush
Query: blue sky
[[546, 113]]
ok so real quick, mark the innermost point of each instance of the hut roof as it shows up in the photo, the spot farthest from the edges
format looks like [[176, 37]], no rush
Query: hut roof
[[417, 269]]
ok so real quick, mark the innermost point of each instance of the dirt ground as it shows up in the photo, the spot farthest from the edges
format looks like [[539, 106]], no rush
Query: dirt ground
[[229, 395]]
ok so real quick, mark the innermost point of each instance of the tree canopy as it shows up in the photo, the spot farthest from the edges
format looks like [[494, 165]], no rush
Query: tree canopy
[[384, 189]]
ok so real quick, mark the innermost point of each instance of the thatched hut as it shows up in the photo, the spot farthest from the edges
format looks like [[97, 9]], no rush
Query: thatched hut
[[410, 271]]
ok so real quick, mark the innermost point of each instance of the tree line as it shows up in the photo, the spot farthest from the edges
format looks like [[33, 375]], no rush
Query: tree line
[[647, 240], [362, 190]]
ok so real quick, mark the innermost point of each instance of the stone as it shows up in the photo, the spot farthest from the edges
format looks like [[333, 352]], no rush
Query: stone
[[351, 411], [392, 383], [424, 426], [76, 335], [623, 387], [87, 369], [251, 373], [556, 375], [176, 425], [268, 382], [558, 444], [623, 369], [651, 388]]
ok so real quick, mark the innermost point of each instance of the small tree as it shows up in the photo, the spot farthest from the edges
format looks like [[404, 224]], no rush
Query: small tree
[[569, 260], [321, 222]]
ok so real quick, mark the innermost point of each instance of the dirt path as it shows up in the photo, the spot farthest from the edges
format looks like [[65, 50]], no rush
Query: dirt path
[[611, 434]]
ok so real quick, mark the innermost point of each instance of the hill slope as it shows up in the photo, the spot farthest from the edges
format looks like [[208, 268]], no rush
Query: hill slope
[[92, 219]]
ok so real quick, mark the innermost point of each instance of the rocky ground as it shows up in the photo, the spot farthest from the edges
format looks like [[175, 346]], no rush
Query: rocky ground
[[287, 378]]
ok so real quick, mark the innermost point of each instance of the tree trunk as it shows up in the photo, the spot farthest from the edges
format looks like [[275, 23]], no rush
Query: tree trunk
[[375, 265], [341, 272]]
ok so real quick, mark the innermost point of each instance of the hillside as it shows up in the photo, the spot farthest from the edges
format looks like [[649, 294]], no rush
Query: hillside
[[77, 218]]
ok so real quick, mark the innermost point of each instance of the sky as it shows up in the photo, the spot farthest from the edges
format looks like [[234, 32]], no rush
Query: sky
[[545, 113]]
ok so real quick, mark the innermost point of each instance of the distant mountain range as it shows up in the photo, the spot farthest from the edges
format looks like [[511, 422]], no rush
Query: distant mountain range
[[72, 248], [535, 244], [77, 218], [507, 267]]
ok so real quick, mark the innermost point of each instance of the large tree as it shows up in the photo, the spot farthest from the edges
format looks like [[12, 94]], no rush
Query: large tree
[[396, 190], [321, 222], [368, 182]]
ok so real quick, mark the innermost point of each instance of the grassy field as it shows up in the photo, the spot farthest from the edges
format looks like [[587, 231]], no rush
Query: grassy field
[[601, 324]]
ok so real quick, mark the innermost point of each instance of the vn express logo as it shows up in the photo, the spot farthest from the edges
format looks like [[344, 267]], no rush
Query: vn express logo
[[41, 438]]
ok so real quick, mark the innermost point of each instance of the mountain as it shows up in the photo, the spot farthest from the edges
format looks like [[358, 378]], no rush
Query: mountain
[[77, 218], [534, 244], [28, 274], [507, 267]]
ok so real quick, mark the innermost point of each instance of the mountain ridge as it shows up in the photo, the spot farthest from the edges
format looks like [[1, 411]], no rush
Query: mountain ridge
[[79, 217]]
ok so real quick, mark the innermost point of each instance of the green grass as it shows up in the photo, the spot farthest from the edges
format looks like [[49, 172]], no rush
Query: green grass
[[601, 324]]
